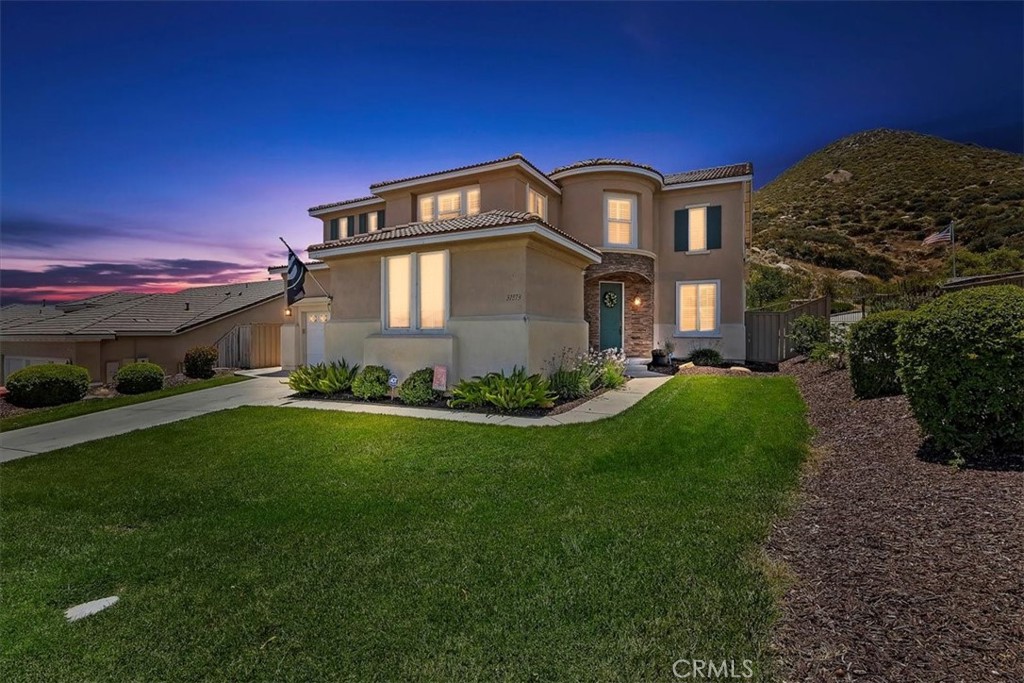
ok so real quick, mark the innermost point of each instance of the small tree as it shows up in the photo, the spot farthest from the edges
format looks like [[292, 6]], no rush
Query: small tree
[[199, 361], [806, 331]]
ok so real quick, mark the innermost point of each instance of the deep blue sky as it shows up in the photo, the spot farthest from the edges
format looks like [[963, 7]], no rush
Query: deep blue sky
[[153, 145]]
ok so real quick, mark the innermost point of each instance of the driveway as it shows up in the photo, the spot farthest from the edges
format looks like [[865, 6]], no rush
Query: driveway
[[261, 390]]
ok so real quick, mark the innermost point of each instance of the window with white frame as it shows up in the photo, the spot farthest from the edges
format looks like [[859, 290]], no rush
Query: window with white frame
[[464, 201], [536, 203], [620, 220], [697, 308], [698, 227], [416, 291]]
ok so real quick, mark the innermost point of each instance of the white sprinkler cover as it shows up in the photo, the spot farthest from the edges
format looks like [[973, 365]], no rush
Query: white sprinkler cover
[[87, 609]]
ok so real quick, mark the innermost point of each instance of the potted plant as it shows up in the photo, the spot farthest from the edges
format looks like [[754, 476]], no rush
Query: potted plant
[[658, 357], [669, 348]]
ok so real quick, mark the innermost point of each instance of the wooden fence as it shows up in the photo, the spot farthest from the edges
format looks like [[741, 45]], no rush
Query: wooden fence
[[253, 345], [768, 331]]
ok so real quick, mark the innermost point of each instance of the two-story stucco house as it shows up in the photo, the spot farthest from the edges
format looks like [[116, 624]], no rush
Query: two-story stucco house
[[498, 264]]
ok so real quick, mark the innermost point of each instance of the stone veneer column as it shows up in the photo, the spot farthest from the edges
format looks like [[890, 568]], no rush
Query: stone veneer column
[[636, 272]]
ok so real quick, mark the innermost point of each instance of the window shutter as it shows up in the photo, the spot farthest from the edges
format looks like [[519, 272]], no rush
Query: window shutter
[[380, 219], [334, 229], [714, 227], [682, 230], [362, 224], [350, 230]]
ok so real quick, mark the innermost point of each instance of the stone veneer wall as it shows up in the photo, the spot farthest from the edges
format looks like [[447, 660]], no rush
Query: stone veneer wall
[[636, 272]]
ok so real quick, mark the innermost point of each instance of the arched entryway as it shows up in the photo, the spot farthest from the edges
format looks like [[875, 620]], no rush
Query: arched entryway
[[619, 303]]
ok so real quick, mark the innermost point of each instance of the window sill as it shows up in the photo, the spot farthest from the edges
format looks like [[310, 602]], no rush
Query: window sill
[[405, 334], [698, 335], [698, 252]]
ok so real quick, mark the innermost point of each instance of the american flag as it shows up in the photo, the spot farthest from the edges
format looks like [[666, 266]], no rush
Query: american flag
[[941, 236]]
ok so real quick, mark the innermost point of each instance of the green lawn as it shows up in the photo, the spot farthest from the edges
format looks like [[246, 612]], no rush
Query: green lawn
[[38, 417], [286, 544]]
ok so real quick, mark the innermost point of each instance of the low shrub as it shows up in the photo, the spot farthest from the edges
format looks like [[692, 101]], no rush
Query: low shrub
[[371, 382], [418, 388], [337, 377], [961, 362], [873, 359], [199, 361], [139, 378], [573, 383], [706, 357], [507, 393], [47, 385], [305, 379], [609, 367], [832, 352], [806, 331]]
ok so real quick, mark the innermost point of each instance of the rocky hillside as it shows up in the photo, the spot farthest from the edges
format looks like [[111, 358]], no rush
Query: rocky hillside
[[866, 201]]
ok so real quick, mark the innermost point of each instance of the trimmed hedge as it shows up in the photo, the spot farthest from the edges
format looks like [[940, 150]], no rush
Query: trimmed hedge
[[47, 385], [706, 357], [372, 382], [199, 361], [418, 388], [139, 378], [874, 363], [962, 366]]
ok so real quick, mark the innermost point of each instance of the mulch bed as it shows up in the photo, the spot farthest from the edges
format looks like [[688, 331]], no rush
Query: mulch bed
[[906, 569]]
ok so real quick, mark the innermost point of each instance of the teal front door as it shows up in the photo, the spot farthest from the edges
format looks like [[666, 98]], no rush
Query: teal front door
[[611, 315]]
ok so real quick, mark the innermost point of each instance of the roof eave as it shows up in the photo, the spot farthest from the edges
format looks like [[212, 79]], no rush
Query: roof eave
[[343, 206], [609, 168], [701, 183], [473, 170]]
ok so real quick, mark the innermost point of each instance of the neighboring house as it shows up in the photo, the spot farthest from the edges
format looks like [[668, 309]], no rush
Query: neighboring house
[[104, 332], [498, 264]]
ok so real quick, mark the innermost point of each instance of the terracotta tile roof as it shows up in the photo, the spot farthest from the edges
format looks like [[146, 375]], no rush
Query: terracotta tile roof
[[603, 162], [716, 173], [488, 219], [342, 203], [125, 313], [510, 157]]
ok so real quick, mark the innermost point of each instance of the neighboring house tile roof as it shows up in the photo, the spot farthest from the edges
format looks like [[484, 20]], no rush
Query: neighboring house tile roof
[[343, 203], [488, 219], [126, 313], [716, 173], [602, 162]]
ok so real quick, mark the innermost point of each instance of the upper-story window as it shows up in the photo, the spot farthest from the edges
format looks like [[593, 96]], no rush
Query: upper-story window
[[698, 229], [620, 220], [438, 206], [371, 221], [536, 203]]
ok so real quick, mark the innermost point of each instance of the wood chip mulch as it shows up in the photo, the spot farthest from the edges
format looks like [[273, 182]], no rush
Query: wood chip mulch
[[903, 568]]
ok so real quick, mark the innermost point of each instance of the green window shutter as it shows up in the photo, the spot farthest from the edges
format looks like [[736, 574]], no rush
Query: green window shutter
[[714, 227], [334, 229], [350, 229], [380, 219], [362, 224], [683, 230]]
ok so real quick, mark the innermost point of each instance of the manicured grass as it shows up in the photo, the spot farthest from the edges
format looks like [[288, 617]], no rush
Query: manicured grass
[[286, 544], [38, 417]]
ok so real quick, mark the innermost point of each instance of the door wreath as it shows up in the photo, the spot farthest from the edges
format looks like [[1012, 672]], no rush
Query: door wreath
[[610, 299]]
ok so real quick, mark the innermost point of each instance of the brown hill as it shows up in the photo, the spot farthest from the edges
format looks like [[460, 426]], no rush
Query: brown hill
[[866, 201]]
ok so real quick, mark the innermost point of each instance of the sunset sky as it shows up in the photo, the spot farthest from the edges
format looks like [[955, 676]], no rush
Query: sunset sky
[[154, 146]]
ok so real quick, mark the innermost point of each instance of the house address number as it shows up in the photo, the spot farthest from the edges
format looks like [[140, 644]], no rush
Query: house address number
[[514, 297]]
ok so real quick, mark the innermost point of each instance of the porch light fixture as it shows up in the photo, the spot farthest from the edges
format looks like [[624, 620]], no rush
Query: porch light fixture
[[288, 312], [636, 301]]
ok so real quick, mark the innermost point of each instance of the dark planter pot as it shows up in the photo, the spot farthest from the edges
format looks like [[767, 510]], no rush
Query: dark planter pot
[[659, 357]]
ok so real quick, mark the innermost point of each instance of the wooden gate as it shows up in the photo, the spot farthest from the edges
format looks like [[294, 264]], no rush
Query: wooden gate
[[253, 345], [768, 331]]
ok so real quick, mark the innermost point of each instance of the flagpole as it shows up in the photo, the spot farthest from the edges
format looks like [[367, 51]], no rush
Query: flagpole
[[326, 293], [952, 242]]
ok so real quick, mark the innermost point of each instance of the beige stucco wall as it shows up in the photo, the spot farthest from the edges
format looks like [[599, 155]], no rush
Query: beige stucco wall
[[582, 205], [512, 301], [724, 265]]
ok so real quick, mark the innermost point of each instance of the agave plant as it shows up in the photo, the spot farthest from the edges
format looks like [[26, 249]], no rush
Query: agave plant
[[337, 377], [305, 379], [515, 391]]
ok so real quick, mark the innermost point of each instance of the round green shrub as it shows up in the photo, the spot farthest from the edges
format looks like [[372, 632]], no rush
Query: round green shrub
[[961, 361], [139, 378], [806, 331], [371, 382], [199, 361], [418, 388], [874, 362], [47, 385], [706, 357]]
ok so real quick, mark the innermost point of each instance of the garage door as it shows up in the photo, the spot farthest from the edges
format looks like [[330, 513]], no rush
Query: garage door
[[15, 363], [315, 323]]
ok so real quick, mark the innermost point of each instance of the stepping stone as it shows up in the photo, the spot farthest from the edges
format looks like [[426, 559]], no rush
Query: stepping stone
[[87, 609], [740, 370]]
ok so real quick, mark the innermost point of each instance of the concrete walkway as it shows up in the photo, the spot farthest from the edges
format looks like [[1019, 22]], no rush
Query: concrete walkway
[[266, 389]]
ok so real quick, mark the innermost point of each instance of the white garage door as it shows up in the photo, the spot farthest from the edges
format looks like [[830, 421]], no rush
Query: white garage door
[[315, 323]]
